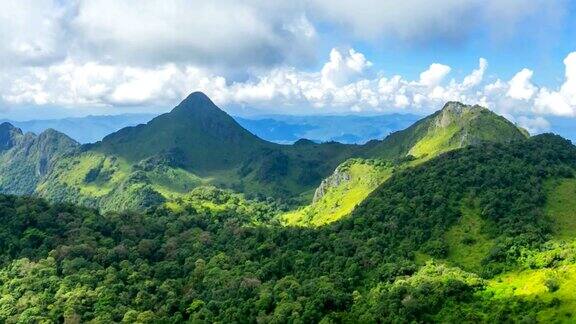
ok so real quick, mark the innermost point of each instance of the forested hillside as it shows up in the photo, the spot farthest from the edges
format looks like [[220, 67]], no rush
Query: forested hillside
[[454, 126], [26, 158], [395, 259], [197, 144]]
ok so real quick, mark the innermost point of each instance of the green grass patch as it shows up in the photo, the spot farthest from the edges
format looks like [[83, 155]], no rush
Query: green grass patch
[[561, 208], [467, 244], [94, 174], [339, 201], [435, 142], [555, 287], [172, 182]]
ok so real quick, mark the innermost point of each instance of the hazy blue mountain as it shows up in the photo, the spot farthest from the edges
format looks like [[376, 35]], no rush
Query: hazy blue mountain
[[275, 128], [345, 129], [87, 129]]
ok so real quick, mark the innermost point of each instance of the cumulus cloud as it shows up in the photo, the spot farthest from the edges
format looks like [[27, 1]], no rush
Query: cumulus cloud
[[474, 78], [344, 83], [340, 69], [520, 86], [534, 125], [434, 75], [562, 102], [423, 21], [202, 31], [31, 32]]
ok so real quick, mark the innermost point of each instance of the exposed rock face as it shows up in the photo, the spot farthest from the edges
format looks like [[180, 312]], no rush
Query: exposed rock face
[[455, 112], [337, 178]]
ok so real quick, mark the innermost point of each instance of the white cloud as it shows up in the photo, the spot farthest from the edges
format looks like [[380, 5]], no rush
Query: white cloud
[[562, 102], [221, 35], [73, 84], [202, 32], [434, 75], [475, 78], [534, 125], [520, 86], [344, 83], [31, 32], [340, 69], [424, 21]]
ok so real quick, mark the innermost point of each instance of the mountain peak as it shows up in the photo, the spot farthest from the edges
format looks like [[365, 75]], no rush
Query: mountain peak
[[207, 136], [454, 126], [197, 95], [8, 135], [457, 112], [7, 126], [459, 108], [196, 101]]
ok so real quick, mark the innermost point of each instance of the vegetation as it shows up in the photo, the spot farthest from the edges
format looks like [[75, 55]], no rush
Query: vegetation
[[467, 241], [350, 184], [453, 127], [459, 218], [216, 256], [197, 144], [26, 158]]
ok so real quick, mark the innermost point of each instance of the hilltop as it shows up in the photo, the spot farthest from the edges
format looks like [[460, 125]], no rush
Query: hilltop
[[25, 159], [479, 234], [198, 144], [453, 127]]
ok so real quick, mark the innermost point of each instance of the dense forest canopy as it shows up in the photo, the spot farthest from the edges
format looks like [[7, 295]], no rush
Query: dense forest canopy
[[389, 261]]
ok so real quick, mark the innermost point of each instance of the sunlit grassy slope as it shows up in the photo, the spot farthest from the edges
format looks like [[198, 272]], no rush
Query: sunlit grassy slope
[[467, 243], [340, 200], [561, 208], [111, 183], [555, 287], [549, 276], [453, 127], [93, 174], [436, 142]]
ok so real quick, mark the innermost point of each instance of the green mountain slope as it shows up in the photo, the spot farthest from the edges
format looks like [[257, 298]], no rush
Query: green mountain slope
[[224, 261], [194, 145], [26, 158], [197, 144], [455, 126], [204, 137]]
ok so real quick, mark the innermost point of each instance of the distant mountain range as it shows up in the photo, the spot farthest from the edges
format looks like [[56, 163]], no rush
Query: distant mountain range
[[87, 129], [282, 129], [199, 144], [462, 217], [347, 129]]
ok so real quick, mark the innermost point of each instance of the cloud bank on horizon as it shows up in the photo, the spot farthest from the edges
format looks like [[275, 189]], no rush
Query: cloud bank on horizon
[[303, 56]]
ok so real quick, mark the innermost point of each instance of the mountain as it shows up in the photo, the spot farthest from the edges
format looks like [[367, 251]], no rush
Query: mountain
[[87, 129], [26, 158], [455, 126], [282, 129], [481, 234], [348, 129], [205, 137], [197, 144]]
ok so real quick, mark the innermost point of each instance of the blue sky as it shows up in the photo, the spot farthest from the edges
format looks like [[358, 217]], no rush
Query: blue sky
[[64, 58]]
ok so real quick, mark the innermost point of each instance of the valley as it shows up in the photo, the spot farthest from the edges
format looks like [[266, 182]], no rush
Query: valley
[[461, 217]]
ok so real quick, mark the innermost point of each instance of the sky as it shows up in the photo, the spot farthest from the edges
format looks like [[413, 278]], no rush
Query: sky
[[78, 57]]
